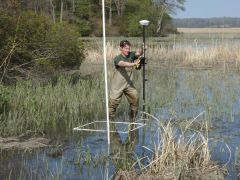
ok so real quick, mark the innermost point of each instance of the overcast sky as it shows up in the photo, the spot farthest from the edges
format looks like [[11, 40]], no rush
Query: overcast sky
[[210, 8]]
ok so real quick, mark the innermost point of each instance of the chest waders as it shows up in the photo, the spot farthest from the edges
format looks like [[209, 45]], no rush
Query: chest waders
[[122, 83]]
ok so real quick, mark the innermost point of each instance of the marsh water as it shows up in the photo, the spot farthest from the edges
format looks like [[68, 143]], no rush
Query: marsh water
[[175, 95]]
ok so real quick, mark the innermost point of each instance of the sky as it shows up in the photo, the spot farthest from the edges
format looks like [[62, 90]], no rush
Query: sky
[[209, 8]]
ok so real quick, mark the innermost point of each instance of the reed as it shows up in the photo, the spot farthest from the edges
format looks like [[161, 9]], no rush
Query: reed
[[178, 154], [221, 55], [49, 108], [195, 53]]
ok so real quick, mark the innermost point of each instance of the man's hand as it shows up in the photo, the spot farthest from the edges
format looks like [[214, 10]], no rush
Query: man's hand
[[138, 63]]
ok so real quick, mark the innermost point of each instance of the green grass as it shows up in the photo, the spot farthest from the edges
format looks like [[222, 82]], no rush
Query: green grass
[[59, 107]]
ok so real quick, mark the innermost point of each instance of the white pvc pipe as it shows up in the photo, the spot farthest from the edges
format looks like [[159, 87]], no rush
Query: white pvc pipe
[[105, 68]]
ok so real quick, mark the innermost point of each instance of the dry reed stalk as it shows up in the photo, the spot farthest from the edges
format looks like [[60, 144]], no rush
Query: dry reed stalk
[[178, 156], [95, 55], [185, 55]]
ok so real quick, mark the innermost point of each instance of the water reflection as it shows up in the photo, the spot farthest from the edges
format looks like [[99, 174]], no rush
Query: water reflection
[[122, 151]]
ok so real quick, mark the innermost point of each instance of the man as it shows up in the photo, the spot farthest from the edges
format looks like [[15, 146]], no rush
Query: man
[[122, 81]]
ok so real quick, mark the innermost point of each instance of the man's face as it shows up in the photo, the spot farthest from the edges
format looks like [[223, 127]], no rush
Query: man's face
[[125, 50]]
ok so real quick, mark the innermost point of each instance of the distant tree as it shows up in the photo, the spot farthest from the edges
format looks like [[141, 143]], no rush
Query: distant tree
[[120, 5], [207, 22], [166, 6], [87, 14], [109, 5]]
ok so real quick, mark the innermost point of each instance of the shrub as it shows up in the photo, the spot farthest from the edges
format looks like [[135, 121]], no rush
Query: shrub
[[39, 41], [66, 46]]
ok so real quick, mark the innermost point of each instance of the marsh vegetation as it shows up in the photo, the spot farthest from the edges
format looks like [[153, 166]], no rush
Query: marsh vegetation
[[192, 94]]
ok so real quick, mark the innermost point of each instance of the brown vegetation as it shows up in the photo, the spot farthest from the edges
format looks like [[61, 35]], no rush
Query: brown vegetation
[[208, 30], [219, 54], [178, 157]]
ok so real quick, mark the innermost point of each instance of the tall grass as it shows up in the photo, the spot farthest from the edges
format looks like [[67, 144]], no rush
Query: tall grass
[[220, 55], [214, 52], [51, 107], [178, 154]]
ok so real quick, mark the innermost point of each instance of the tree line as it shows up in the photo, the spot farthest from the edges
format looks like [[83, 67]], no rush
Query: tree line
[[122, 15], [40, 35], [220, 22]]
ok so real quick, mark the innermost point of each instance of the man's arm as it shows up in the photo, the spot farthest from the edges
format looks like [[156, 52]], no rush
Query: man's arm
[[127, 64]]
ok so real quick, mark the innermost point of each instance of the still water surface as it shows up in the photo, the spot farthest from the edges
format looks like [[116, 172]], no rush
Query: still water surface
[[175, 95]]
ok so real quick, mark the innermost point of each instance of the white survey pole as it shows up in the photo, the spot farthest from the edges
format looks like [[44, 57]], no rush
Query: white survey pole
[[105, 69]]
